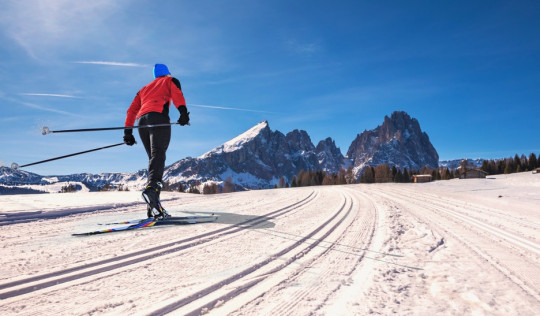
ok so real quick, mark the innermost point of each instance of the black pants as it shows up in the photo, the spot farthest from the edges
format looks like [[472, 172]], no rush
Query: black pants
[[156, 141]]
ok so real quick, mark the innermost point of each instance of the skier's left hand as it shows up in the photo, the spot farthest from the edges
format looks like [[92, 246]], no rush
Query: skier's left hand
[[184, 115]]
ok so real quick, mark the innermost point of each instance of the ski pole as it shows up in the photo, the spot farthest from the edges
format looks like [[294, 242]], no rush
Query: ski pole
[[46, 130], [15, 166]]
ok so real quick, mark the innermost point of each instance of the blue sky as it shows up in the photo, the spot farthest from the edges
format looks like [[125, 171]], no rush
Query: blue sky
[[469, 71]]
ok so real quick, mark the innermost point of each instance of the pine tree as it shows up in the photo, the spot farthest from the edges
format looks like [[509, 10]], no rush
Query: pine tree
[[524, 163], [501, 166], [488, 166], [509, 167], [341, 179], [383, 173], [210, 188], [368, 176], [228, 186], [281, 182], [193, 187], [398, 177], [293, 182], [306, 179], [329, 179], [533, 163], [517, 163], [406, 176], [299, 178], [447, 174]]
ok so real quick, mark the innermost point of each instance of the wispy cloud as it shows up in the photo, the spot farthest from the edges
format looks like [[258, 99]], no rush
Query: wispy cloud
[[306, 48], [227, 108], [44, 108], [111, 63], [50, 95], [54, 24]]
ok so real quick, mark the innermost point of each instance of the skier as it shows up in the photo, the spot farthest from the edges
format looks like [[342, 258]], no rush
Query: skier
[[151, 106]]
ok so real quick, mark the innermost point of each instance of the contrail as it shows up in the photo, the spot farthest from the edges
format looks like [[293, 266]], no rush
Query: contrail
[[111, 63], [50, 95], [43, 108], [227, 108]]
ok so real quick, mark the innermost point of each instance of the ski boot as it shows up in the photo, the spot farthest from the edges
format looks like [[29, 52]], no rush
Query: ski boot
[[151, 197], [157, 213]]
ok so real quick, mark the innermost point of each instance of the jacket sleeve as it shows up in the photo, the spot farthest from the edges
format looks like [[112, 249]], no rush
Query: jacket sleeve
[[132, 111], [176, 93]]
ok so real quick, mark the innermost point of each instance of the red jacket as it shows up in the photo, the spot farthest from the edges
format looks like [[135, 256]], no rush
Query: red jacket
[[155, 97]]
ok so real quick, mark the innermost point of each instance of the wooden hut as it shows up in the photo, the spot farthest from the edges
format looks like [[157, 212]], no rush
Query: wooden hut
[[419, 178], [473, 174]]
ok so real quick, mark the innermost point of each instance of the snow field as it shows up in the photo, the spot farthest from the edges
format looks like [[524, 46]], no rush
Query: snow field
[[451, 247]]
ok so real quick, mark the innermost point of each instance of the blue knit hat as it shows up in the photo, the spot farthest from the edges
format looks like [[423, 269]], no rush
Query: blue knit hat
[[161, 70]]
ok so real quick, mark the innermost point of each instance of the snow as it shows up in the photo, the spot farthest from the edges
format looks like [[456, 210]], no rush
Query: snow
[[447, 247], [239, 141]]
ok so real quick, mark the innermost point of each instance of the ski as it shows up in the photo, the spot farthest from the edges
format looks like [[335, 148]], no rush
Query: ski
[[150, 222]]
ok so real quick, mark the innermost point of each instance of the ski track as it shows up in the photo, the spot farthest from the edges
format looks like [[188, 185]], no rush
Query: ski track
[[338, 250], [64, 276], [484, 243], [294, 252], [125, 212], [302, 285]]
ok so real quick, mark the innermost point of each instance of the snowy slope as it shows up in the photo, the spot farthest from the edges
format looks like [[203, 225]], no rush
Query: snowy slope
[[239, 141], [449, 247]]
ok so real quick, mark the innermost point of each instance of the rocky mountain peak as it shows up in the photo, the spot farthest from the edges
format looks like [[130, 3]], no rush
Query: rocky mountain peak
[[300, 139], [330, 157], [399, 142]]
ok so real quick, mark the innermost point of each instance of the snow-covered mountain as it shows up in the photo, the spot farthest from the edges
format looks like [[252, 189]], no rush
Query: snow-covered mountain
[[10, 176], [258, 158], [454, 164], [399, 142]]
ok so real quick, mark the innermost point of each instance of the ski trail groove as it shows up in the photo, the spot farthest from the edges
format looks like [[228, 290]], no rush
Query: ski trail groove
[[238, 277], [63, 276], [445, 202], [361, 228], [522, 279]]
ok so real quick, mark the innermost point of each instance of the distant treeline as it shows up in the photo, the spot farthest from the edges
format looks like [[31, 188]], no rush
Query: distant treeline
[[380, 174], [384, 173], [511, 165]]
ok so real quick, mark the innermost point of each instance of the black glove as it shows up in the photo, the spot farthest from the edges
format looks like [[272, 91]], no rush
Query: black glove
[[128, 137], [184, 115]]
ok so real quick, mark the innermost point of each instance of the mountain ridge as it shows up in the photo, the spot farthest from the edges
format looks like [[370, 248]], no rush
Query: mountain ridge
[[259, 157]]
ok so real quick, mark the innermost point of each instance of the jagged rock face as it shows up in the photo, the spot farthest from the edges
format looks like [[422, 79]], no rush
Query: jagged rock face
[[399, 142], [260, 156], [330, 157]]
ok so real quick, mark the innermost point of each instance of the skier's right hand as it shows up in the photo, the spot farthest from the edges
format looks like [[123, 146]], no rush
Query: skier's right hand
[[128, 137]]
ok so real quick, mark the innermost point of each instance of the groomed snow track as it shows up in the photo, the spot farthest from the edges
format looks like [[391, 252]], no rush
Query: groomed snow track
[[355, 249]]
